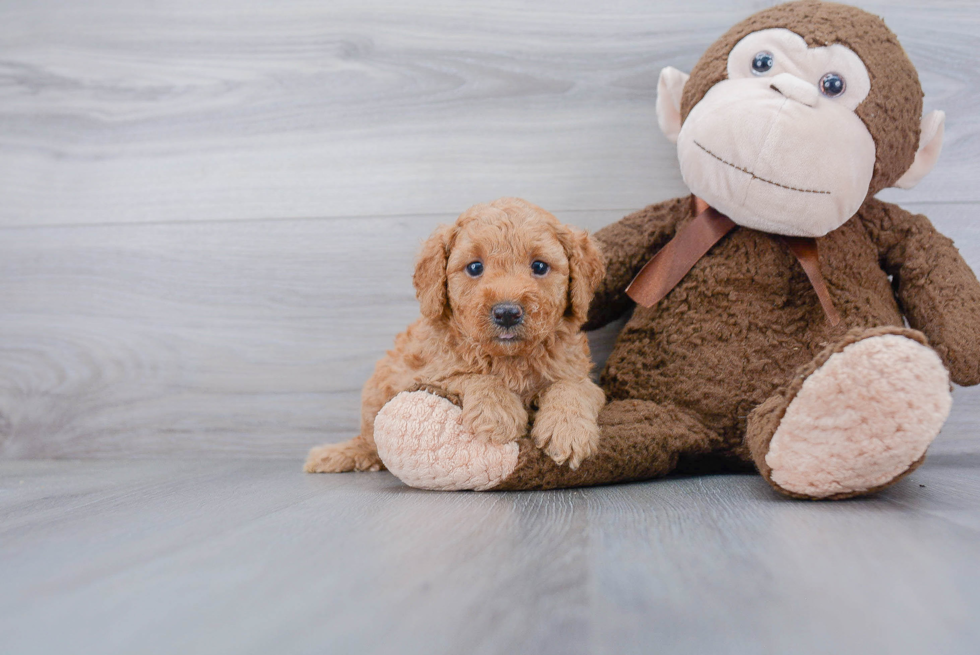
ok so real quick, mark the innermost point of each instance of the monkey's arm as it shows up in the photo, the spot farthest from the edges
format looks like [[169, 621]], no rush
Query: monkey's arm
[[626, 247], [938, 292]]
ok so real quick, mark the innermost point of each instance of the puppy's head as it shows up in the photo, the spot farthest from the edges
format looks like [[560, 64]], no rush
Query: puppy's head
[[507, 274]]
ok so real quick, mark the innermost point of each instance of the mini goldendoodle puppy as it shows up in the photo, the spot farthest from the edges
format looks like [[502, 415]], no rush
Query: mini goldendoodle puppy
[[503, 293]]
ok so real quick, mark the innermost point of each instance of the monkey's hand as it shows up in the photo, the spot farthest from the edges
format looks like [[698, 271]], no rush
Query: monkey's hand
[[937, 289]]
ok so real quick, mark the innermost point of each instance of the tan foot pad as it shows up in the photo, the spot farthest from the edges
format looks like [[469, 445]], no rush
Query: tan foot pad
[[862, 419], [421, 440]]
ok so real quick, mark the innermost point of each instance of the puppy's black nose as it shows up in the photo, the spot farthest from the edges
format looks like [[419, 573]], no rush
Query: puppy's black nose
[[507, 314]]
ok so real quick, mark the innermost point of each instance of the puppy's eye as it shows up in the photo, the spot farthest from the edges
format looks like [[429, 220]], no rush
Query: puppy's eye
[[474, 269], [539, 268], [832, 85], [762, 63]]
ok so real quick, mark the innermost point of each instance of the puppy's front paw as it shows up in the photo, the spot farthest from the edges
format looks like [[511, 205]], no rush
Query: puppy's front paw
[[353, 455], [565, 437], [499, 419]]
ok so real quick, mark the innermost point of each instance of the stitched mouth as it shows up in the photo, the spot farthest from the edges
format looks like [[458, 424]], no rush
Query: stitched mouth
[[756, 177]]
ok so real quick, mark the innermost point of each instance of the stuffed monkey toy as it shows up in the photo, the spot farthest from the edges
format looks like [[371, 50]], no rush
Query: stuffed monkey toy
[[784, 319]]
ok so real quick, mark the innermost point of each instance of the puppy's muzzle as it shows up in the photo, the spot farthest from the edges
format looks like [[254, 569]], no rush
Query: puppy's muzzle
[[507, 314]]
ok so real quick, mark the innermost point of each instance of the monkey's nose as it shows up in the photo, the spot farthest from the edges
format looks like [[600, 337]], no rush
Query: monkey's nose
[[507, 314], [795, 89]]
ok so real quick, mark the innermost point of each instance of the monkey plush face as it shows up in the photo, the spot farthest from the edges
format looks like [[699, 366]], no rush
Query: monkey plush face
[[786, 134], [778, 141]]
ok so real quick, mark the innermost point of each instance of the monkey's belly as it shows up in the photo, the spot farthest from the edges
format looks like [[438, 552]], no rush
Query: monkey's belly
[[718, 366], [737, 327]]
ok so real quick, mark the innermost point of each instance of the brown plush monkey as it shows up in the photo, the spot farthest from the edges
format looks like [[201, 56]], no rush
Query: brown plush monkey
[[776, 334]]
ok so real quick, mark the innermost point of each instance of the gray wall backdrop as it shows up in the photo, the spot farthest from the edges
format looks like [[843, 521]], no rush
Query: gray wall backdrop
[[209, 210]]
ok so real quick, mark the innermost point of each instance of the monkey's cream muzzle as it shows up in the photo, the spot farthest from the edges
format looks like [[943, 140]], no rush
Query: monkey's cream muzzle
[[771, 162]]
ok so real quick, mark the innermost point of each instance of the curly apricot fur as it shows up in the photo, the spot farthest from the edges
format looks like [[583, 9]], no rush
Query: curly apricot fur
[[500, 374]]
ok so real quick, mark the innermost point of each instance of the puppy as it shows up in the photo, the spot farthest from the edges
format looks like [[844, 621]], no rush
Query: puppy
[[503, 293]]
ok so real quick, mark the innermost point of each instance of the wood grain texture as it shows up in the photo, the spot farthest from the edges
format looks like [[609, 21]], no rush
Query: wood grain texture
[[143, 111], [255, 557], [223, 339], [246, 338]]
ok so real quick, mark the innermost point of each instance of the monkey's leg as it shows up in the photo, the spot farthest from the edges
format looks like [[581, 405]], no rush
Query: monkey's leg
[[421, 440], [638, 440], [854, 420]]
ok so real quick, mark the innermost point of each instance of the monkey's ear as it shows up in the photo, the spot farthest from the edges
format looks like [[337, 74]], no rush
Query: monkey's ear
[[430, 274], [930, 145], [669, 90]]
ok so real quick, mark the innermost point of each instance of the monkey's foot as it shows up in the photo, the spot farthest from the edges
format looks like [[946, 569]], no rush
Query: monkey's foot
[[860, 421], [420, 438]]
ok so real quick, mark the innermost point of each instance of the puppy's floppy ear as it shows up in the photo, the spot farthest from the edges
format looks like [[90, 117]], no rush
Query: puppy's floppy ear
[[585, 271], [430, 274]]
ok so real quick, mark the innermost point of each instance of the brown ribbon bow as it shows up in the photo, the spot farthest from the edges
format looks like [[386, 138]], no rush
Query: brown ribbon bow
[[672, 262]]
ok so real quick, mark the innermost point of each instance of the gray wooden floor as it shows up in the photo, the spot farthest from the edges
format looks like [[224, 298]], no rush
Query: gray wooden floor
[[208, 216], [250, 556]]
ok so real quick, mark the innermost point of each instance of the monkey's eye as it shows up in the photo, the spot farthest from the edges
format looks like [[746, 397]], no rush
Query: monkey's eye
[[474, 269], [832, 85], [762, 63], [539, 268]]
